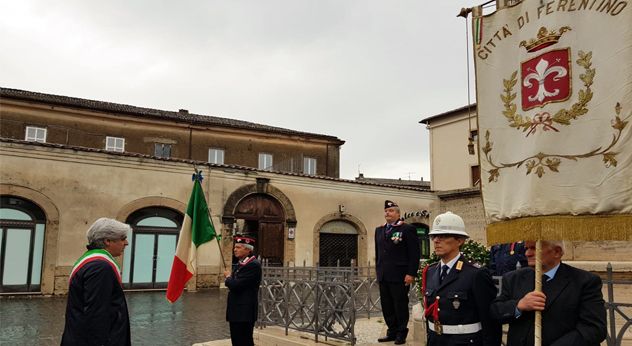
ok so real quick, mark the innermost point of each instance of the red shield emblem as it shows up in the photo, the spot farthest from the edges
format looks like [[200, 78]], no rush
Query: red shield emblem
[[546, 78]]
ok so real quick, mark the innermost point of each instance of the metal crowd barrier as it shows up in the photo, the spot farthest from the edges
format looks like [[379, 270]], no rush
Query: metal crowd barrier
[[325, 301]]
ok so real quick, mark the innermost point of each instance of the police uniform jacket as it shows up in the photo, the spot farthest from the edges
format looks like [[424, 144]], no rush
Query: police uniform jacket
[[244, 289], [502, 261], [465, 296], [574, 313], [396, 253], [96, 312]]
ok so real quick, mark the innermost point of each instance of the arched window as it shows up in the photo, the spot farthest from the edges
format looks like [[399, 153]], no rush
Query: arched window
[[338, 244], [148, 259], [22, 245]]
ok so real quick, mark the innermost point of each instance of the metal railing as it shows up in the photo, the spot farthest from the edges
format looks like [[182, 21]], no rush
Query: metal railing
[[325, 301]]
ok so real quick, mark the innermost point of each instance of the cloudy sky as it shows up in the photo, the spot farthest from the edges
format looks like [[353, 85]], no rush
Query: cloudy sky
[[364, 71]]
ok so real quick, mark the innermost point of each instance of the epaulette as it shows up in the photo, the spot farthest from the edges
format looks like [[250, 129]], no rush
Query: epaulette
[[474, 264]]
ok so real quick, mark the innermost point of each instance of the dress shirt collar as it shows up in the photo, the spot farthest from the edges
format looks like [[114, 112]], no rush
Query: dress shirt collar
[[551, 273]]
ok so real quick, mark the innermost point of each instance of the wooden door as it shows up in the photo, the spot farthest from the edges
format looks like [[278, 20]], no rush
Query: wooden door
[[271, 240]]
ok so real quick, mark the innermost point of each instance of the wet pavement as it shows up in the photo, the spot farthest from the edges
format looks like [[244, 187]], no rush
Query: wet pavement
[[196, 317]]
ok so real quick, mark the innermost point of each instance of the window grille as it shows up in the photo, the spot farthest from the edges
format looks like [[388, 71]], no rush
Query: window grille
[[334, 247]]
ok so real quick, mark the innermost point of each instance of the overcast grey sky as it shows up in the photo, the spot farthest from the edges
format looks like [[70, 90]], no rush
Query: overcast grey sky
[[364, 71]]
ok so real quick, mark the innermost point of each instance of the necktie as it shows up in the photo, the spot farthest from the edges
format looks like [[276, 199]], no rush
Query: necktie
[[545, 278], [444, 271], [389, 228]]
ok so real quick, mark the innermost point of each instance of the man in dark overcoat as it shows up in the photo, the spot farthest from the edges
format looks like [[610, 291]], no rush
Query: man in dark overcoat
[[457, 292], [571, 301], [96, 311], [396, 263], [243, 297]]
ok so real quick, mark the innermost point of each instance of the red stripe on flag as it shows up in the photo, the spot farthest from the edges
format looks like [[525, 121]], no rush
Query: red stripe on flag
[[179, 277]]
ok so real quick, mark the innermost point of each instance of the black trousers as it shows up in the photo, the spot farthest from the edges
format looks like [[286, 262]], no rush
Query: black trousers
[[394, 298], [241, 333]]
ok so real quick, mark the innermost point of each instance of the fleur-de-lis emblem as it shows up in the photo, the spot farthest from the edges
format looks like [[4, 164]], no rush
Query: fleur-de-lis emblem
[[543, 70]]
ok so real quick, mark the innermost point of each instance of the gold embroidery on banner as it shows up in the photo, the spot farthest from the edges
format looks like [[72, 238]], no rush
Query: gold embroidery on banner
[[545, 38], [552, 161], [563, 116]]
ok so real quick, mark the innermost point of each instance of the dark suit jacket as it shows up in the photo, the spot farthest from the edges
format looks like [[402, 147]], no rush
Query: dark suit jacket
[[574, 314], [396, 259], [465, 296], [96, 312], [243, 299]]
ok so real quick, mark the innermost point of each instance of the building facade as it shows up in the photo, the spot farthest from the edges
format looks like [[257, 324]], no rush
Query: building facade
[[453, 149], [109, 126], [51, 192]]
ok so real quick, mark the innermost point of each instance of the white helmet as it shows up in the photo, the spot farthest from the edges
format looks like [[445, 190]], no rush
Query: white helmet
[[448, 223]]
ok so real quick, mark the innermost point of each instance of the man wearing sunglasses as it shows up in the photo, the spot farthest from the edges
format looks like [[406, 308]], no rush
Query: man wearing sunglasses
[[457, 292]]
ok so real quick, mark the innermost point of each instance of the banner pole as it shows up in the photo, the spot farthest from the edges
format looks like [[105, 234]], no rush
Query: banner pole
[[208, 212], [538, 288]]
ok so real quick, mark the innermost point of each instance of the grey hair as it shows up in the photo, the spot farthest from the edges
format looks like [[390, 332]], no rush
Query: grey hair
[[249, 247], [105, 228], [397, 209], [560, 243]]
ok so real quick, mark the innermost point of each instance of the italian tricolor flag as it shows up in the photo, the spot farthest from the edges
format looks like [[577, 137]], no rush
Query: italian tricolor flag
[[197, 229]]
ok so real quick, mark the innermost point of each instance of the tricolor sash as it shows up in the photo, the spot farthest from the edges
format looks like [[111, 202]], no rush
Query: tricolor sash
[[96, 255]]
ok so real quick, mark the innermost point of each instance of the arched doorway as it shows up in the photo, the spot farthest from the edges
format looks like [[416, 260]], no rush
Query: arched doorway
[[148, 259], [22, 226], [424, 239], [263, 218], [338, 244]]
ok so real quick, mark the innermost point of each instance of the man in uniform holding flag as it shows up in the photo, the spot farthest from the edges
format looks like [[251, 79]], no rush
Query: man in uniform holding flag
[[243, 300], [96, 312]]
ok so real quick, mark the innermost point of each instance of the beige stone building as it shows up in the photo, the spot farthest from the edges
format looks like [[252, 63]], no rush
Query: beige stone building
[[60, 170]]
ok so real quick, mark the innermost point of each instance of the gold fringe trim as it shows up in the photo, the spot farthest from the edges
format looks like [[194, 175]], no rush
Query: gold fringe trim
[[558, 227]]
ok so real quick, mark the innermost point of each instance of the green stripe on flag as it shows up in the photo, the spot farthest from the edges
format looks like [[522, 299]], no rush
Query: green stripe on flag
[[201, 227]]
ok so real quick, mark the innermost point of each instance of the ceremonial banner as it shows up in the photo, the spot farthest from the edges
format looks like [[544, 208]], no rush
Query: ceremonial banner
[[554, 101]]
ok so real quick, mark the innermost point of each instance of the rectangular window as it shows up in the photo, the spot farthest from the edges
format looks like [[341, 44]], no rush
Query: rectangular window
[[216, 156], [114, 144], [265, 161], [35, 134], [476, 175], [309, 165], [474, 135], [162, 150]]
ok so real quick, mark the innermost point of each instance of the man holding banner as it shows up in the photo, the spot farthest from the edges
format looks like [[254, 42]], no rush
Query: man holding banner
[[572, 305]]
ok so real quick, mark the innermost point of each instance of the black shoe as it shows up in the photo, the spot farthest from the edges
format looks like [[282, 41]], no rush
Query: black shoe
[[386, 339], [400, 341]]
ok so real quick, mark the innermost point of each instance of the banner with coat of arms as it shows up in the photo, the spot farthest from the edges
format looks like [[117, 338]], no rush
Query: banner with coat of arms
[[554, 101]]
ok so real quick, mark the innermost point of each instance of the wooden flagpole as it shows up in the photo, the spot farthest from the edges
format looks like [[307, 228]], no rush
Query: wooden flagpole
[[538, 288], [208, 211]]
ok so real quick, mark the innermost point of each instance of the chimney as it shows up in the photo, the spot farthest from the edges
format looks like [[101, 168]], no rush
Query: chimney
[[183, 111]]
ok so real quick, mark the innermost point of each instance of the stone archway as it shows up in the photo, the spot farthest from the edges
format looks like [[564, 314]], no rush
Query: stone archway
[[261, 187], [145, 202], [363, 239], [51, 236]]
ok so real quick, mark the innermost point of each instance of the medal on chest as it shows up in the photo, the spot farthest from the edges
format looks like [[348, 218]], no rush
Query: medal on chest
[[396, 237]]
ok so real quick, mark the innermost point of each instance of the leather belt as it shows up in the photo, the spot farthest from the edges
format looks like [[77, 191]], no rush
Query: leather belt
[[458, 329]]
